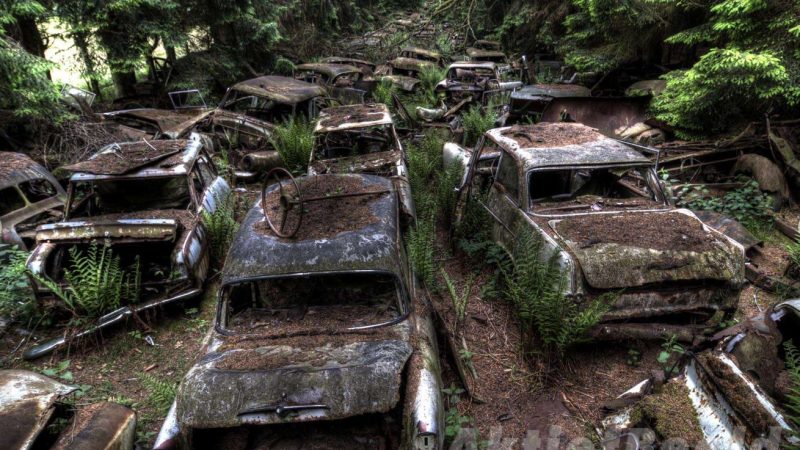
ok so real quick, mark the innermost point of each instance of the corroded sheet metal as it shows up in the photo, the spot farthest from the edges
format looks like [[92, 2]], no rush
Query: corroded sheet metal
[[280, 89], [99, 426], [133, 229], [616, 266], [601, 151], [352, 116], [609, 115], [26, 404], [405, 83], [329, 382], [414, 65], [373, 247], [331, 70]]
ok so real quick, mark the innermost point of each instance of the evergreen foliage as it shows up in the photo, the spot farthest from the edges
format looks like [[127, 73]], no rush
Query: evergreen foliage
[[294, 140]]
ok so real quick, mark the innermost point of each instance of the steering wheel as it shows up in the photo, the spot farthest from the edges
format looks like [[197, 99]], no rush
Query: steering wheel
[[289, 202]]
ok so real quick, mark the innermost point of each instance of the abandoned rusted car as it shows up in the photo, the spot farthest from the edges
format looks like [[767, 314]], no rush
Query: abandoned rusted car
[[343, 82], [404, 70], [35, 414], [490, 55], [361, 139], [248, 112], [145, 201], [730, 396], [29, 196], [597, 204], [151, 123], [469, 81], [323, 338], [531, 101], [366, 67]]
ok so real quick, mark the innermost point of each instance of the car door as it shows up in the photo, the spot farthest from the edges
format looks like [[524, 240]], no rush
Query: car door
[[503, 201]]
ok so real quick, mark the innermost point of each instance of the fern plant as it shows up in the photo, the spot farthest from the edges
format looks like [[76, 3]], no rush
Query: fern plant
[[536, 289], [429, 77], [160, 393], [460, 301], [792, 403], [95, 282], [421, 249], [294, 140], [476, 121], [221, 226], [383, 92]]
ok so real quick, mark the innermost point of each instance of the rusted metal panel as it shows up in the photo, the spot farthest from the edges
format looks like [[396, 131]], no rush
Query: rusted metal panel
[[609, 115], [27, 400], [353, 116], [331, 70], [99, 426], [280, 89], [125, 229]]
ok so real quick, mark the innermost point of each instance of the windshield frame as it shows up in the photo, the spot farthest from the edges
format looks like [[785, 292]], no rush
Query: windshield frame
[[222, 299], [649, 169], [68, 205]]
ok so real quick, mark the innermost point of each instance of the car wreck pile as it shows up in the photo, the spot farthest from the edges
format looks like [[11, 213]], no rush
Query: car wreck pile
[[324, 337]]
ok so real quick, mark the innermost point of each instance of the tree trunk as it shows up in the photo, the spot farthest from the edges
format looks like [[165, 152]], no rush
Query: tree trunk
[[82, 42], [30, 37], [124, 82], [171, 55]]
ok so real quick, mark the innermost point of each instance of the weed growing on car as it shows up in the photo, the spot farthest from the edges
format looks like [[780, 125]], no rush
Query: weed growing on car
[[221, 226], [16, 299], [95, 282], [476, 121], [549, 321], [294, 139]]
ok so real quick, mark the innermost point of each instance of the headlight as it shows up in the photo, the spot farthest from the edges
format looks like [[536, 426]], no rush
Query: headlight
[[425, 442]]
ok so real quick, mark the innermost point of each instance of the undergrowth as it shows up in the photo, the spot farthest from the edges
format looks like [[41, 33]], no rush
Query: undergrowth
[[160, 393], [294, 140], [429, 77], [221, 226], [383, 92], [792, 403], [536, 288], [476, 121], [16, 299], [95, 282], [421, 242]]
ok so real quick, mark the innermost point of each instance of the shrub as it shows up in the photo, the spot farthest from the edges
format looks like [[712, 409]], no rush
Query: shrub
[[477, 121], [160, 393], [284, 66], [294, 140], [429, 77], [536, 287], [221, 226], [446, 193], [747, 204], [95, 282]]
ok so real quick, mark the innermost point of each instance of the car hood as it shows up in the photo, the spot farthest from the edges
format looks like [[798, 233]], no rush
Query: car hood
[[291, 381], [695, 253]]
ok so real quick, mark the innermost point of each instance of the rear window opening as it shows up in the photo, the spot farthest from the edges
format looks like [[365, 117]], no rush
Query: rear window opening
[[38, 190], [320, 303], [342, 144]]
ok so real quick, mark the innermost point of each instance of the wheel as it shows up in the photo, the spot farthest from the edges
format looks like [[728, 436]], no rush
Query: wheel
[[289, 202]]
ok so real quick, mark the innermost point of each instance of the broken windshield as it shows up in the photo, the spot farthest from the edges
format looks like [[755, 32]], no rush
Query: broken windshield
[[312, 303], [550, 188], [340, 144], [98, 197]]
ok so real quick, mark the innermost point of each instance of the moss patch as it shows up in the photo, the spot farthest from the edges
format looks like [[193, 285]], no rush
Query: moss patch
[[670, 413]]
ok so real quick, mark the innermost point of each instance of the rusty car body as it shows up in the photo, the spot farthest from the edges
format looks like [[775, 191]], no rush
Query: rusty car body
[[30, 403], [151, 123], [403, 71], [361, 139], [343, 82], [471, 80], [248, 112], [736, 389], [532, 100], [145, 200], [366, 67], [29, 196], [597, 204], [323, 338]]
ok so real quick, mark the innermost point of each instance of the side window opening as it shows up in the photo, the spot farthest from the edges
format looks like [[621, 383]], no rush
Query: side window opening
[[507, 175], [37, 190], [10, 200]]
